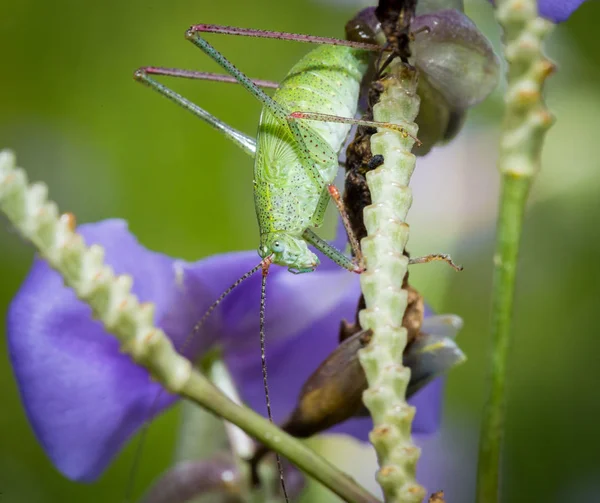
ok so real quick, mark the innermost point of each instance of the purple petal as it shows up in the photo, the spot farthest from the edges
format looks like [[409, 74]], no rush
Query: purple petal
[[293, 353], [82, 396], [295, 302], [558, 10]]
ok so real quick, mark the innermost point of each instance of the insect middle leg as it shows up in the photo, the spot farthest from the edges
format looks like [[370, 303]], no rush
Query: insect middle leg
[[436, 257], [313, 116]]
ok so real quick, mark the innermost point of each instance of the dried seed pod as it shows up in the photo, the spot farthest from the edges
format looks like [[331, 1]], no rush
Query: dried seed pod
[[458, 69], [333, 393], [457, 65], [455, 57]]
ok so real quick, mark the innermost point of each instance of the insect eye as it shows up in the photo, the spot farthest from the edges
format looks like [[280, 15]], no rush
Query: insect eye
[[277, 247]]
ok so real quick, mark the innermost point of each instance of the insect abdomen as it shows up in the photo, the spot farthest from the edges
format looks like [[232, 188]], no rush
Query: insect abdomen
[[326, 81]]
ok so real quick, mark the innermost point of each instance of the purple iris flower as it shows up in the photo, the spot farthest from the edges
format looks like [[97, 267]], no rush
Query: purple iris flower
[[85, 399]]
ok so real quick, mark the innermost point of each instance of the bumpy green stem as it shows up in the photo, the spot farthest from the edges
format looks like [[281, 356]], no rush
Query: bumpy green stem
[[386, 301], [111, 300], [525, 124]]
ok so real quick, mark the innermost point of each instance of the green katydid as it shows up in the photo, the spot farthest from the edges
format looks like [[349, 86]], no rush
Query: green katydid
[[295, 161]]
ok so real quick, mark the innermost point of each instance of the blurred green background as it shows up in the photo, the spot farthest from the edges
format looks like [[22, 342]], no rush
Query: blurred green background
[[107, 147]]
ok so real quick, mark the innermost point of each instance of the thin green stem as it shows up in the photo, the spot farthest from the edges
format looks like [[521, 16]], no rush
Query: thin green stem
[[82, 268], [198, 388], [513, 198], [525, 124]]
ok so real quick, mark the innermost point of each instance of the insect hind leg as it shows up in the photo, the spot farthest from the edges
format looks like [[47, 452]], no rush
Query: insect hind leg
[[193, 35], [334, 193], [282, 35]]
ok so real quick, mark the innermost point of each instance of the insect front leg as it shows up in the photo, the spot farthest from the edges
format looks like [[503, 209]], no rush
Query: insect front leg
[[329, 251]]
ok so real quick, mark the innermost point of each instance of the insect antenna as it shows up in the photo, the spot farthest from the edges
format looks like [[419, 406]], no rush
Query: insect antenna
[[139, 448], [263, 356]]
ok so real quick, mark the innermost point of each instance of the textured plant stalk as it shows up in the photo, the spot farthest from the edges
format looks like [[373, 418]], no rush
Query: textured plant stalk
[[526, 121], [386, 301], [83, 269]]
